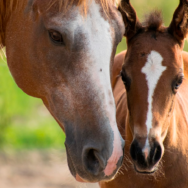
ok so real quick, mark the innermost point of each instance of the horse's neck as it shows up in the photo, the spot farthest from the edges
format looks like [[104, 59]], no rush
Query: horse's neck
[[6, 9]]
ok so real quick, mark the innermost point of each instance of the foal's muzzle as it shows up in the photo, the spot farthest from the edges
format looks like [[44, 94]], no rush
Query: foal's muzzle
[[145, 159]]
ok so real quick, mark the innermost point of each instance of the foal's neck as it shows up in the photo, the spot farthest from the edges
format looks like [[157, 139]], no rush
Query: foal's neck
[[176, 138]]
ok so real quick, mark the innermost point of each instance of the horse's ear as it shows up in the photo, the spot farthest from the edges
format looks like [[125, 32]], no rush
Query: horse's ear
[[132, 23], [179, 25]]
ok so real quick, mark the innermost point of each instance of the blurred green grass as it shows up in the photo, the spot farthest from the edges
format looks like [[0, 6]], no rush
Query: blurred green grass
[[144, 7], [24, 121]]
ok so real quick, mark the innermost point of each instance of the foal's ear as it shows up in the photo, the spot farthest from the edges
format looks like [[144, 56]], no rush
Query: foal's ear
[[132, 23], [179, 25]]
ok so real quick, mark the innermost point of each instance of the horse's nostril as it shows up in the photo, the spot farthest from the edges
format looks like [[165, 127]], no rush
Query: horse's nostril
[[93, 161]]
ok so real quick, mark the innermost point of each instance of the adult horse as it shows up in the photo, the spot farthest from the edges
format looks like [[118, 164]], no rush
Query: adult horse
[[62, 52], [152, 104]]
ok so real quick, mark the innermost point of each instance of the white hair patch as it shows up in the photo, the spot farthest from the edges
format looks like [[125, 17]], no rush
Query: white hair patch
[[153, 70]]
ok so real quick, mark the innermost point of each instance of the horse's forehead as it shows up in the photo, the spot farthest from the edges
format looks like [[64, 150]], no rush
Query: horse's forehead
[[74, 18]]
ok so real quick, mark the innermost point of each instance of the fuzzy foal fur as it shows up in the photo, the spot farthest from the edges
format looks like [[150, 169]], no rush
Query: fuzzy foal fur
[[172, 168]]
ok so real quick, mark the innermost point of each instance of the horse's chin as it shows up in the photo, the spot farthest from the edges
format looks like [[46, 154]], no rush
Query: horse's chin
[[81, 179], [145, 171]]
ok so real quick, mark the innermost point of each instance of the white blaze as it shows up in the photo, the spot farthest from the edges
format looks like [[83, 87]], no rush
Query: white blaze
[[100, 47], [153, 70]]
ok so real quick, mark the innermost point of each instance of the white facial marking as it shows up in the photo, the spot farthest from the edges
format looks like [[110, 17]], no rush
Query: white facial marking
[[99, 49], [153, 70]]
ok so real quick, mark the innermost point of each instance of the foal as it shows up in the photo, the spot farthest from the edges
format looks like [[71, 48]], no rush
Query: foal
[[152, 104]]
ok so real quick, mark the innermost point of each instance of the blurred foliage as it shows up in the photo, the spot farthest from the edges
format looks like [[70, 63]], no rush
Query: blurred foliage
[[24, 121], [144, 7]]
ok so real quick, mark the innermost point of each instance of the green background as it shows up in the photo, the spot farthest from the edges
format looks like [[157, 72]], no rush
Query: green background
[[24, 121]]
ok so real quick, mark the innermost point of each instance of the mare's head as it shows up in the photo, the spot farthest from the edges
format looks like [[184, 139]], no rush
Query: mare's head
[[63, 54], [152, 74]]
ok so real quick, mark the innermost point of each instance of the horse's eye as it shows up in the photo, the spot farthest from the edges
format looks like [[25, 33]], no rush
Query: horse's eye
[[126, 80], [56, 37], [177, 84]]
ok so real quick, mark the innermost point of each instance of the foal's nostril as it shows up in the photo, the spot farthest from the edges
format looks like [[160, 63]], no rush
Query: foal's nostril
[[156, 153], [93, 161], [137, 154], [134, 150]]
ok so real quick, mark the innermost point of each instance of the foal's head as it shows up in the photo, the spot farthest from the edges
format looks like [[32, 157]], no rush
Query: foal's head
[[63, 54], [152, 73]]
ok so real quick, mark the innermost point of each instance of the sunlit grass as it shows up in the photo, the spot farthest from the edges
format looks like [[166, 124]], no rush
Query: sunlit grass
[[24, 121]]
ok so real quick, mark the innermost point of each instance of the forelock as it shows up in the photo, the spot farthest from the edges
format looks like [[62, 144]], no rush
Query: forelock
[[154, 21], [66, 4]]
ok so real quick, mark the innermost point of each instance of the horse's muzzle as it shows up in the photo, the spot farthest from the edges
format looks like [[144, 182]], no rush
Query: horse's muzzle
[[90, 167]]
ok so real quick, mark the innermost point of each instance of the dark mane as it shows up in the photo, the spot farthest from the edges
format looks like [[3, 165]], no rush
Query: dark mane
[[154, 21]]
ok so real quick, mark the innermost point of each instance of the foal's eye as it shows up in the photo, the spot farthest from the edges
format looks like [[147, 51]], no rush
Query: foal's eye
[[126, 80], [56, 37], [177, 84]]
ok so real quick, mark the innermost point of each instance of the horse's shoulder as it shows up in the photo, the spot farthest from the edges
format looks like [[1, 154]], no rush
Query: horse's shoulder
[[117, 66]]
